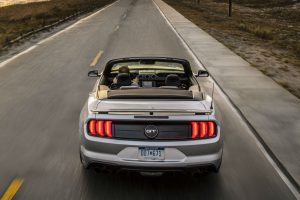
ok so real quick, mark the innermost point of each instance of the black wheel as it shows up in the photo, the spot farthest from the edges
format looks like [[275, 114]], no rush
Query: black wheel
[[217, 169], [83, 162]]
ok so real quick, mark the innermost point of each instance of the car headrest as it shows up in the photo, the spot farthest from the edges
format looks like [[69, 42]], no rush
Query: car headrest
[[172, 80], [123, 79]]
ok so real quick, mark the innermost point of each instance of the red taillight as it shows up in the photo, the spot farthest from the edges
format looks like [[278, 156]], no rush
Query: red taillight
[[195, 129], [100, 128], [92, 127], [211, 129], [203, 130], [108, 130]]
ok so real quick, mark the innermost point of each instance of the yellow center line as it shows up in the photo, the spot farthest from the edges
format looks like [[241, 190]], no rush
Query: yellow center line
[[96, 59], [12, 189]]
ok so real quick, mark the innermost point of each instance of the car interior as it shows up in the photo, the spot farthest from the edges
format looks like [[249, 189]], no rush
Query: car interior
[[152, 81], [148, 76], [148, 79]]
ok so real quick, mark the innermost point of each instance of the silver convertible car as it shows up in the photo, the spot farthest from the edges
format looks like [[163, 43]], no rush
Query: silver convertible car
[[149, 115]]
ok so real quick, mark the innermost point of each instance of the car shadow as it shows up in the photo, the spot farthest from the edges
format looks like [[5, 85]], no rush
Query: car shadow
[[131, 185]]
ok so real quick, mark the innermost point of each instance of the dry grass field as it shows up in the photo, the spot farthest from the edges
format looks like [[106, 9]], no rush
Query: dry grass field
[[16, 20], [265, 33]]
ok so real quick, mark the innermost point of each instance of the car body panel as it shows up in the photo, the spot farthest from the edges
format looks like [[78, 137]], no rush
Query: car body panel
[[152, 105], [123, 152]]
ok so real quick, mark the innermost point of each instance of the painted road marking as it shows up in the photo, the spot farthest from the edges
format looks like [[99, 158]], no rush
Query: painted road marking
[[12, 189], [96, 59]]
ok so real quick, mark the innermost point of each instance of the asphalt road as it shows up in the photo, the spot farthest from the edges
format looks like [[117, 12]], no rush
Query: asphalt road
[[42, 93]]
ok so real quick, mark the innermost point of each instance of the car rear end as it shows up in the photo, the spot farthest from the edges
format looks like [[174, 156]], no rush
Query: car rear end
[[155, 139]]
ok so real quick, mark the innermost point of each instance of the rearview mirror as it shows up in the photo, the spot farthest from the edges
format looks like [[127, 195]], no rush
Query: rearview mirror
[[202, 73], [93, 73]]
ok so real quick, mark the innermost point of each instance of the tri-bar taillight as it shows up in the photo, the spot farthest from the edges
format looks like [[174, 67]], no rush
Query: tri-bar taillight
[[100, 128], [203, 130], [200, 130]]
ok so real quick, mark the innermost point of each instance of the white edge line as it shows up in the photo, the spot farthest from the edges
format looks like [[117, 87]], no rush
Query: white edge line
[[2, 64], [260, 146], [5, 62]]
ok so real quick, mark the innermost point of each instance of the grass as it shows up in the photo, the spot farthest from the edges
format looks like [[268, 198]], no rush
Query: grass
[[262, 32], [16, 20], [259, 31], [275, 21], [262, 3], [297, 48], [284, 84], [284, 13], [284, 68]]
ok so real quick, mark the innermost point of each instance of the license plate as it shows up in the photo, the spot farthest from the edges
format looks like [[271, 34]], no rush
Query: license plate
[[151, 153]]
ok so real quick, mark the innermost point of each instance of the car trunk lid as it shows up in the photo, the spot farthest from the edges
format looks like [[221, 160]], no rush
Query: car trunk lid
[[153, 106]]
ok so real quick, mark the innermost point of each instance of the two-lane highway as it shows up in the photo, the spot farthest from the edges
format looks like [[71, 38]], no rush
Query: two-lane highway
[[43, 91]]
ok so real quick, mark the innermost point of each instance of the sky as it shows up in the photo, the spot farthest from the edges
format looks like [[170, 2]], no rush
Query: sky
[[10, 2]]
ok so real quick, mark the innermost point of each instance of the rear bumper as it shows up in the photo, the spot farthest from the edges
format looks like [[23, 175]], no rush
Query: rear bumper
[[178, 155], [93, 158]]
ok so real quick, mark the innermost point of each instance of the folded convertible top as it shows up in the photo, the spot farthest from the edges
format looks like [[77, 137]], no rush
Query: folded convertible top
[[150, 93]]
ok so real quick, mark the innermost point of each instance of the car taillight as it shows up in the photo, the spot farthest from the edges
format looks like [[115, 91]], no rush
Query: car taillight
[[203, 130], [92, 127], [100, 128], [195, 129], [211, 129], [107, 127]]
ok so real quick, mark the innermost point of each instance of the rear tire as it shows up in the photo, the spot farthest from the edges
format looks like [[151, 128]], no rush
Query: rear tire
[[85, 165], [206, 171], [217, 169]]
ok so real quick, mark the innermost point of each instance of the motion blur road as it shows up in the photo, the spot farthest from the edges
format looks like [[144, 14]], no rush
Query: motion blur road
[[43, 91]]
